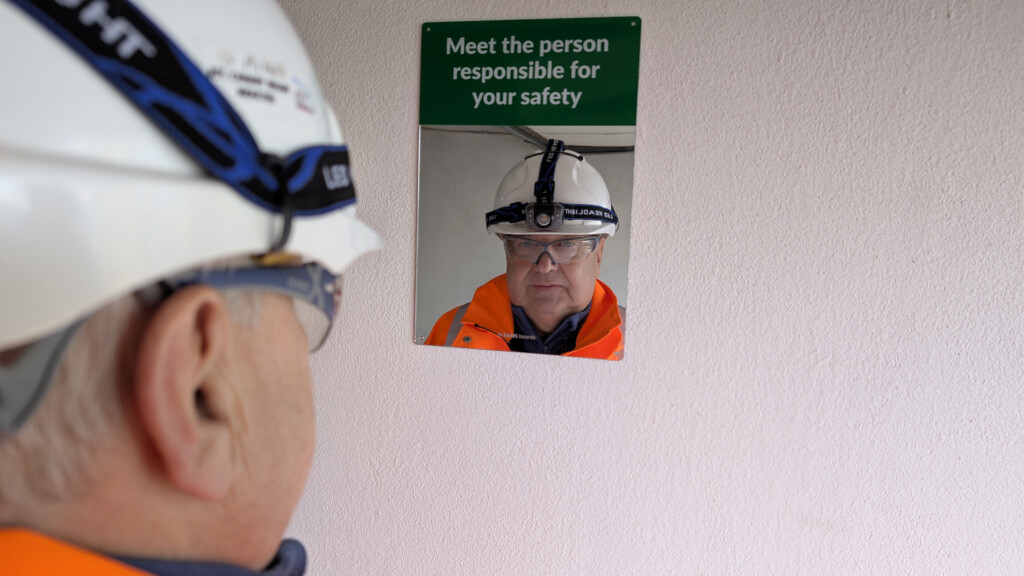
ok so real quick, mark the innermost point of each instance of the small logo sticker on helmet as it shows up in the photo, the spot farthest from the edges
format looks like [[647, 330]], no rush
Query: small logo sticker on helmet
[[303, 97], [247, 75]]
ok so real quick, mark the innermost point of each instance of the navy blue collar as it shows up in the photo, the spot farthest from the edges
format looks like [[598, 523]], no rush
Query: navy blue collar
[[560, 341], [289, 561]]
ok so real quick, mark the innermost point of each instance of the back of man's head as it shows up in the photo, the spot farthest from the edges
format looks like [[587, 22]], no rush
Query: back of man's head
[[174, 183]]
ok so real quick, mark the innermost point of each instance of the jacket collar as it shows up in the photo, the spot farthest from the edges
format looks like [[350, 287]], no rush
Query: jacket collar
[[485, 312]]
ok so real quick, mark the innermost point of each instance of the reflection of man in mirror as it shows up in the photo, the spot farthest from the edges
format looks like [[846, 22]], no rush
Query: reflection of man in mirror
[[553, 213]]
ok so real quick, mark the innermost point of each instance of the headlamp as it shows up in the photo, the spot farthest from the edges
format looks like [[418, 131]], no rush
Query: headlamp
[[548, 217]]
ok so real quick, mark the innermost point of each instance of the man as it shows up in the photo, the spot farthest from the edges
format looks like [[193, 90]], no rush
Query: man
[[175, 205], [553, 214]]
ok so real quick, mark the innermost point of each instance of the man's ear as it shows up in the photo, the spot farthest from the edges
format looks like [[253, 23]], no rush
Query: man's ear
[[180, 392]]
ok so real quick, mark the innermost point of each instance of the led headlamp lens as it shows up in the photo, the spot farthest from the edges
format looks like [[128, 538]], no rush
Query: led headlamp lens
[[544, 217]]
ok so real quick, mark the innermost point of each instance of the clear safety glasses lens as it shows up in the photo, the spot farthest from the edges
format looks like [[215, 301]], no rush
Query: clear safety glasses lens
[[561, 251], [313, 289]]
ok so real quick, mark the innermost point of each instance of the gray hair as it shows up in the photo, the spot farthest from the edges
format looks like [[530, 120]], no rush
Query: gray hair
[[49, 458]]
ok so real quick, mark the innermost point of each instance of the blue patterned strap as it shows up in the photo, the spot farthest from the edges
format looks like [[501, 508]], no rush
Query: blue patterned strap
[[134, 55]]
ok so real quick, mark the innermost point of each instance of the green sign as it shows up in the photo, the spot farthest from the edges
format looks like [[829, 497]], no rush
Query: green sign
[[571, 72]]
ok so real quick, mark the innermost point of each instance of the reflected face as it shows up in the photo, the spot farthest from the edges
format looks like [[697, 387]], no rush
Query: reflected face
[[548, 292]]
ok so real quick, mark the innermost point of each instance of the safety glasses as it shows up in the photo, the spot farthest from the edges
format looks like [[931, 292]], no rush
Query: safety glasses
[[561, 251], [27, 373], [313, 289]]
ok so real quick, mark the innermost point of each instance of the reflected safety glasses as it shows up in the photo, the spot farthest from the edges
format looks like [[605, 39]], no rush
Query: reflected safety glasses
[[314, 291], [561, 251]]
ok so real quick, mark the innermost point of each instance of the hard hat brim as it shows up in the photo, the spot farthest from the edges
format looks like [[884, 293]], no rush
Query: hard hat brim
[[82, 235]]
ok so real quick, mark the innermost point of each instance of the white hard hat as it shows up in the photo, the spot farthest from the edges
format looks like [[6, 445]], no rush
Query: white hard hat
[[96, 200], [555, 191]]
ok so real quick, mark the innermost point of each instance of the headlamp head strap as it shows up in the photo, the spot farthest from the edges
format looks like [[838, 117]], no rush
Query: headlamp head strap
[[546, 215], [518, 212], [544, 188], [134, 55]]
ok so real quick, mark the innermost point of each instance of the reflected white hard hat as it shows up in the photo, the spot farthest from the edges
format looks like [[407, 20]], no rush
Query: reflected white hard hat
[[96, 200], [555, 191]]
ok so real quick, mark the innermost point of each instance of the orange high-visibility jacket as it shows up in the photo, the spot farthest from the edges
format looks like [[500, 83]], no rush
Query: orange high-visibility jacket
[[27, 553], [486, 323]]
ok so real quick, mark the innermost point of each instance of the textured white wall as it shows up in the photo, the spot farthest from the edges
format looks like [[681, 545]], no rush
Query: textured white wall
[[826, 330]]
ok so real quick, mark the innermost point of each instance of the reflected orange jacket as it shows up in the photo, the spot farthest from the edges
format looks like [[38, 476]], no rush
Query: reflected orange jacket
[[486, 323], [27, 553]]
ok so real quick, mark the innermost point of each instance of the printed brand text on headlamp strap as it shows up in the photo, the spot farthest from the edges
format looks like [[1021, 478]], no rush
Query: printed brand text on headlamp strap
[[516, 212]]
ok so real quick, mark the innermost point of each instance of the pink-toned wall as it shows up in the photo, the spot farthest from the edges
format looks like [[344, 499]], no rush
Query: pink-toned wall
[[825, 371]]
